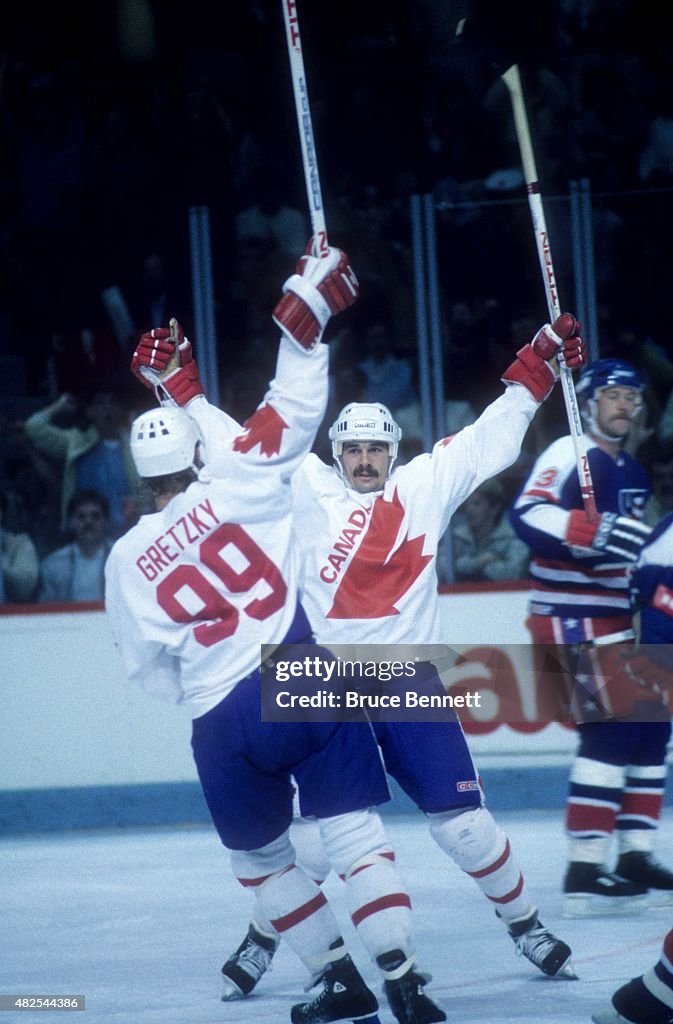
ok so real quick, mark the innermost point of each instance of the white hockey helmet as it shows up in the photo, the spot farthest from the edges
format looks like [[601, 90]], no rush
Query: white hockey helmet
[[365, 421], [164, 441]]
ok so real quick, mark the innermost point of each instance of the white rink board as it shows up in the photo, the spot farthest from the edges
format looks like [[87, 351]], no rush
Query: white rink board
[[71, 719]]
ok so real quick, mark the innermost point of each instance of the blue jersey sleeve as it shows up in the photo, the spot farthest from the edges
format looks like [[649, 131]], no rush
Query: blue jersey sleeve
[[653, 586]]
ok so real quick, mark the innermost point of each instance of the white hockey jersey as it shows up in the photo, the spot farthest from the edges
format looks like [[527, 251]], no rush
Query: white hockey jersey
[[193, 591], [369, 560]]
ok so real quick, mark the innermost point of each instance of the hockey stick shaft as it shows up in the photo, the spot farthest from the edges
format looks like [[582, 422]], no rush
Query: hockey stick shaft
[[512, 80], [305, 124]]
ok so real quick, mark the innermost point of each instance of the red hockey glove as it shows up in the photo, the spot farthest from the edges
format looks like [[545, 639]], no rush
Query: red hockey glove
[[612, 534], [152, 355], [532, 367], [163, 362], [181, 386], [321, 287]]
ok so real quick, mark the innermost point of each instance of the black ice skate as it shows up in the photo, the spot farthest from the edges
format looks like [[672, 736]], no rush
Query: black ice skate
[[544, 950], [644, 869], [633, 1003], [591, 891], [246, 966], [344, 997], [405, 994]]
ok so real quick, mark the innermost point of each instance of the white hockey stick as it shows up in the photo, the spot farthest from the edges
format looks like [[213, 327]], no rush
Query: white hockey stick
[[512, 80], [311, 176]]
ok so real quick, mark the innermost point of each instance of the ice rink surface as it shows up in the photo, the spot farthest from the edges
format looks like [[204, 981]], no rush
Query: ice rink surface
[[140, 921]]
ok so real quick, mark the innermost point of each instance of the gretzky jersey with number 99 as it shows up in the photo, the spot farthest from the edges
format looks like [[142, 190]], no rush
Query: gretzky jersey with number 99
[[567, 580], [193, 591]]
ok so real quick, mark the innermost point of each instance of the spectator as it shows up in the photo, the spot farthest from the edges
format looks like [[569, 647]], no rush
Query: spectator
[[660, 466], [18, 564], [631, 340], [76, 572], [31, 493], [485, 546], [656, 160], [457, 414], [665, 425], [389, 376], [95, 456]]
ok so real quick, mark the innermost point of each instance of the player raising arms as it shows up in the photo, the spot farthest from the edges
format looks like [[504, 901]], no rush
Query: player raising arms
[[382, 589], [195, 588]]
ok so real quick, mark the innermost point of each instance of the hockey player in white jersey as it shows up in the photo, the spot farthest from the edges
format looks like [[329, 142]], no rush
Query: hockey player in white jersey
[[369, 542], [192, 592], [369, 534]]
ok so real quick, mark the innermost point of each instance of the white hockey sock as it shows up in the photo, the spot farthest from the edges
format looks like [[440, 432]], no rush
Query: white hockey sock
[[311, 858], [379, 906], [298, 910], [481, 849], [378, 903], [289, 901], [589, 851]]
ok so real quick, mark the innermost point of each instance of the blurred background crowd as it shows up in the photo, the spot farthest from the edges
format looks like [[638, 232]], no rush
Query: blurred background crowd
[[118, 117]]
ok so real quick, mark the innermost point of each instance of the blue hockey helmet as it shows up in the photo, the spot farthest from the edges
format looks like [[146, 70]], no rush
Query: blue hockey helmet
[[594, 378], [607, 373]]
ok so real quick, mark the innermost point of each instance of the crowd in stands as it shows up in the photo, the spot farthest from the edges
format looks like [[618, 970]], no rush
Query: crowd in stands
[[117, 123]]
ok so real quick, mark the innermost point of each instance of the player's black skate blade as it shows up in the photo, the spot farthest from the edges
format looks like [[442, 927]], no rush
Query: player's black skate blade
[[533, 941], [405, 995], [245, 967], [633, 1003], [591, 891], [344, 997]]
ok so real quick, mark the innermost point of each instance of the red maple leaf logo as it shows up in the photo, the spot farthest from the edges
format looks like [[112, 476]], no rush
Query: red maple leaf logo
[[376, 579], [265, 428]]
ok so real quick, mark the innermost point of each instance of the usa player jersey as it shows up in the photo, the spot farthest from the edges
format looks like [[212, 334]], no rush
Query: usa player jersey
[[194, 590], [653, 586], [570, 580], [369, 560]]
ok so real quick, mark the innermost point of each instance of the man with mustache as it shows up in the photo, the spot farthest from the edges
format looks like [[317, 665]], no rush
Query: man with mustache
[[368, 538], [580, 609]]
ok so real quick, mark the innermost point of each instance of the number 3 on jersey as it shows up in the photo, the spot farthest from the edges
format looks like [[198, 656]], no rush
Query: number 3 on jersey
[[186, 585]]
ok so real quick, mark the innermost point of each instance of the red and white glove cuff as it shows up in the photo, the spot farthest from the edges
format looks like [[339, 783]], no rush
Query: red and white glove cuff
[[311, 296], [302, 313], [546, 342], [181, 386], [532, 371]]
